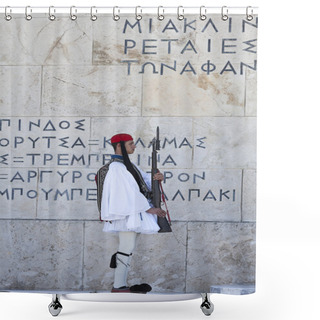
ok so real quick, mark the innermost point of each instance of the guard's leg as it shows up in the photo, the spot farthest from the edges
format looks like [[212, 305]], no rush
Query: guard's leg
[[127, 242]]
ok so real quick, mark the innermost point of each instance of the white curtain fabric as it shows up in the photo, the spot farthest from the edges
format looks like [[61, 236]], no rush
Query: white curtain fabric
[[67, 86]]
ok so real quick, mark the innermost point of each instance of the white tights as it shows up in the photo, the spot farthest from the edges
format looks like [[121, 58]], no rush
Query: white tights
[[127, 242]]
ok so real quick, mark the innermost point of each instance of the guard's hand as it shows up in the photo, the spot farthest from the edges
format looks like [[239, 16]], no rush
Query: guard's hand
[[158, 176], [158, 211]]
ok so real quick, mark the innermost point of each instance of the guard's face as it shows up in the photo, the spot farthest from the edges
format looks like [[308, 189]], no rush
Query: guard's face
[[130, 146]]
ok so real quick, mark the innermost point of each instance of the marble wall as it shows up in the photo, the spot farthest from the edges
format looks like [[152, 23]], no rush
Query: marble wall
[[67, 87]]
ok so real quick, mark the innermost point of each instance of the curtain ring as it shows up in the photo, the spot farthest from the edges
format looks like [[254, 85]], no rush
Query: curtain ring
[[93, 16], [27, 13], [116, 17], [8, 17], [160, 16], [52, 17], [138, 16], [180, 15], [249, 16], [224, 13], [73, 17], [203, 13]]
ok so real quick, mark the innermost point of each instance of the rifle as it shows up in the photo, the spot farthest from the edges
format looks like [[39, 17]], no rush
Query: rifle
[[156, 193]]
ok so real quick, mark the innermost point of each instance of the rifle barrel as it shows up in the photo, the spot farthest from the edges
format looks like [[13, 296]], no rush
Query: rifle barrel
[[156, 193]]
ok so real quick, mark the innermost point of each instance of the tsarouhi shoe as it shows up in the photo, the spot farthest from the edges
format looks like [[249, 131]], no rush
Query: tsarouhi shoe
[[121, 290], [140, 288]]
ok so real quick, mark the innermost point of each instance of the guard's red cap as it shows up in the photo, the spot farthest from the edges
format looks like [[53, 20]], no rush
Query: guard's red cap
[[121, 137]]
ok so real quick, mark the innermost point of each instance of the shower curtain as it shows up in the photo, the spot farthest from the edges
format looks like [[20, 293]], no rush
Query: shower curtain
[[69, 82]]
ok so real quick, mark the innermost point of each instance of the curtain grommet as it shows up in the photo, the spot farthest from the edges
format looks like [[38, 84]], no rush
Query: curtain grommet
[[249, 15], [203, 13], [160, 16], [93, 17], [116, 17], [73, 16], [180, 13], [138, 16], [52, 17], [7, 16], [28, 12], [224, 13]]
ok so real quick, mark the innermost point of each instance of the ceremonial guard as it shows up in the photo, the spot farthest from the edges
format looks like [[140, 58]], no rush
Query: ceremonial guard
[[124, 202]]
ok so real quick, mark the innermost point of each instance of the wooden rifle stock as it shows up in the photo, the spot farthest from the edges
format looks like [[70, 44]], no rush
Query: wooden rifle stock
[[156, 193]]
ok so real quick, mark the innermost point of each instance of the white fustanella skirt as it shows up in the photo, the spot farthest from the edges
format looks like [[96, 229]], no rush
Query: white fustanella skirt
[[141, 223]]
